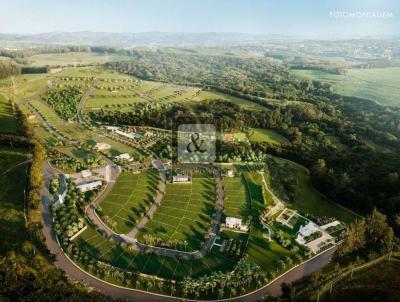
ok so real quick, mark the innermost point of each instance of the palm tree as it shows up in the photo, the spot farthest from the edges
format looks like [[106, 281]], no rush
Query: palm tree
[[233, 292], [220, 293]]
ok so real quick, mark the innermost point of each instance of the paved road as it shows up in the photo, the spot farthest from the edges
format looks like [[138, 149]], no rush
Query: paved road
[[135, 295]]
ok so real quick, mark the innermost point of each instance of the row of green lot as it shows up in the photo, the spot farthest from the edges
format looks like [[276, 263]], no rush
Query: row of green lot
[[130, 198], [185, 213], [103, 249], [236, 198]]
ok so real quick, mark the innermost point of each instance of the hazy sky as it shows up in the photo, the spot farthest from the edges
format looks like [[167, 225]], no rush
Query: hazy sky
[[312, 18]]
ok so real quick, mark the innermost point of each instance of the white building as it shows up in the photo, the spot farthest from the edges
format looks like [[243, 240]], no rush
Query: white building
[[59, 198], [89, 186], [111, 128], [236, 223], [102, 146], [86, 173], [124, 156], [181, 178], [230, 173]]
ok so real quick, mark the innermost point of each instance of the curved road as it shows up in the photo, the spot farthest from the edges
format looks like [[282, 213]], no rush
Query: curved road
[[64, 263]]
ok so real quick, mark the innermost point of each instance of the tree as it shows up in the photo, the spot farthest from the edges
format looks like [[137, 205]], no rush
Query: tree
[[355, 238], [376, 227]]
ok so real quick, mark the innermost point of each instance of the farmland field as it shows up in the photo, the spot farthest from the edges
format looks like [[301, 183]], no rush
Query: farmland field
[[185, 213], [266, 135], [73, 58], [381, 85], [165, 267], [131, 195]]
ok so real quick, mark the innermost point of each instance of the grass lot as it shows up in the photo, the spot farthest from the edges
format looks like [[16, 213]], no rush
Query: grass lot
[[307, 199], [266, 135], [73, 58], [24, 86], [165, 267], [237, 202], [185, 213], [8, 123], [263, 252], [212, 95], [130, 197], [379, 84], [112, 101], [12, 182]]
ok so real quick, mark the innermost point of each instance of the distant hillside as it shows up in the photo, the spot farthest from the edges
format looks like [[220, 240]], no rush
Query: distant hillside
[[135, 39]]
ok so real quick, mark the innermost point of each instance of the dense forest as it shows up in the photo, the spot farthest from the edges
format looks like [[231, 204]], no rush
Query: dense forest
[[351, 145]]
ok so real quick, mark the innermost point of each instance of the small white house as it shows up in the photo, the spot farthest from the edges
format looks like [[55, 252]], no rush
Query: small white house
[[124, 156], [230, 173], [181, 178], [102, 146], [89, 186], [236, 223]]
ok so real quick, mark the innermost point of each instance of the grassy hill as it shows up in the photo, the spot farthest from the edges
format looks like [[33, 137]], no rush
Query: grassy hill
[[381, 85]]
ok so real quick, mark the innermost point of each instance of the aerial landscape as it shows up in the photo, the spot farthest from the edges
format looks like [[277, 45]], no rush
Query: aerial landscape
[[200, 150]]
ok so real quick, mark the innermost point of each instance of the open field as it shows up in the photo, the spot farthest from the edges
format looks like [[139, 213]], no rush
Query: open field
[[99, 103], [378, 84], [266, 135], [165, 267], [73, 58], [213, 95], [8, 123], [129, 199], [237, 201], [185, 213], [306, 198], [12, 182]]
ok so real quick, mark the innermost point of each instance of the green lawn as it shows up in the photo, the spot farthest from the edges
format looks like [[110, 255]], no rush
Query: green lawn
[[266, 135], [261, 251], [212, 95], [12, 181], [165, 267], [130, 197], [379, 84], [97, 102], [237, 203], [185, 213], [307, 199], [8, 123]]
